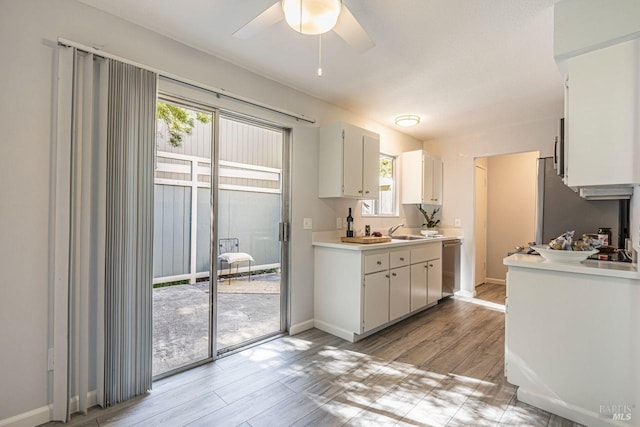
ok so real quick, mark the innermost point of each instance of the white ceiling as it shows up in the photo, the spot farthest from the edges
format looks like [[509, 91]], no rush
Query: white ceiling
[[462, 65]]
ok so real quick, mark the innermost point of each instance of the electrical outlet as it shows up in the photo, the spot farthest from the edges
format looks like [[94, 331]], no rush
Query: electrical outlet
[[338, 223], [457, 222], [307, 223]]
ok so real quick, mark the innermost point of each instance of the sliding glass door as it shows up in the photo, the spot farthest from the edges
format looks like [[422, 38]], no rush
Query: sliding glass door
[[219, 212], [182, 325], [251, 206]]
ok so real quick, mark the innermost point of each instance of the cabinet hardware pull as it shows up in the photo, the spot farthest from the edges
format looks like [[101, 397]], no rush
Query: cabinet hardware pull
[[401, 259], [430, 265], [366, 192], [386, 275], [360, 191], [379, 263], [426, 266], [393, 274]]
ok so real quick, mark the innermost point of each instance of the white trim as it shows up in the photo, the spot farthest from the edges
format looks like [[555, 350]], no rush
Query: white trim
[[248, 166], [301, 327], [249, 189], [334, 330], [465, 294], [30, 418], [179, 183], [248, 174], [567, 410], [201, 274], [185, 157], [493, 281], [171, 76]]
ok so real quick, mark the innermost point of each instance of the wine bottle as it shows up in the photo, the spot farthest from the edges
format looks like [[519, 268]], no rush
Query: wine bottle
[[349, 221]]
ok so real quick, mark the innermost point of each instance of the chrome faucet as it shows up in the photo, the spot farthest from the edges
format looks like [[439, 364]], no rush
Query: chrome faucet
[[394, 228]]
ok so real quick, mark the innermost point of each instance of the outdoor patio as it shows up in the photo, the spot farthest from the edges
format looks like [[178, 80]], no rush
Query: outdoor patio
[[246, 309]]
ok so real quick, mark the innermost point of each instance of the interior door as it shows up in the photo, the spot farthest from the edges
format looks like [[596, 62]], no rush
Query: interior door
[[480, 225]]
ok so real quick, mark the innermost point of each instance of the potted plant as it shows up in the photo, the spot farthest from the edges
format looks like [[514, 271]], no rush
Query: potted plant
[[430, 220]]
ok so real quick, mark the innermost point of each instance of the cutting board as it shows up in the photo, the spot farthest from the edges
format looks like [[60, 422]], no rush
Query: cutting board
[[366, 239]]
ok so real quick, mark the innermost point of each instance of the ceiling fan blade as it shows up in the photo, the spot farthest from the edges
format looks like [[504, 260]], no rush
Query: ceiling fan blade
[[261, 22], [352, 32]]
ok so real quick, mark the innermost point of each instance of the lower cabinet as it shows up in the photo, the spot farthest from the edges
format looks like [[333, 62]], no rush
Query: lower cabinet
[[434, 280], [376, 300], [360, 291], [399, 292]]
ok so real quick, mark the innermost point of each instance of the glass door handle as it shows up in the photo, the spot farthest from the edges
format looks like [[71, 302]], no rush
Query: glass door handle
[[283, 231]]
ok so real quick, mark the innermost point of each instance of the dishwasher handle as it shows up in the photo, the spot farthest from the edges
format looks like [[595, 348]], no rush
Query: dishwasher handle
[[451, 244]]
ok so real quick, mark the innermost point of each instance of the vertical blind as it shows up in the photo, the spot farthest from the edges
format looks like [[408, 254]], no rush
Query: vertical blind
[[128, 279], [104, 228]]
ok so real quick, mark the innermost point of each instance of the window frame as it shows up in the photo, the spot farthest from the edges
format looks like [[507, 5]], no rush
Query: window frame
[[395, 195]]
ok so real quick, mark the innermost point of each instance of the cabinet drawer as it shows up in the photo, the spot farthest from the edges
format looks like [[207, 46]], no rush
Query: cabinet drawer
[[424, 253], [376, 262], [399, 258]]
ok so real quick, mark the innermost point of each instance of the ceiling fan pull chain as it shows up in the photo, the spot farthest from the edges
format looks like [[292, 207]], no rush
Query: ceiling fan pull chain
[[320, 55]]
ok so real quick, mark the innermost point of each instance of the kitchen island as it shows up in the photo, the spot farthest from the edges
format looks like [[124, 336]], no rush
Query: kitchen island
[[573, 338], [362, 288]]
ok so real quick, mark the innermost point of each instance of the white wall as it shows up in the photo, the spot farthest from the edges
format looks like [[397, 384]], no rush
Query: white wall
[[458, 155], [28, 33], [511, 207]]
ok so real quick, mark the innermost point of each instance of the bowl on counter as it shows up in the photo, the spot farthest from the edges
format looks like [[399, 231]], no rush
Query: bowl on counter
[[555, 255], [429, 233]]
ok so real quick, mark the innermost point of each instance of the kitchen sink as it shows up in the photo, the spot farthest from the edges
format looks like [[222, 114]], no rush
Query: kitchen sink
[[408, 237]]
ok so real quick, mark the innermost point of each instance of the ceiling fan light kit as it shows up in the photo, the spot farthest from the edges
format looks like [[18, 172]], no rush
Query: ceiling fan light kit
[[312, 17], [407, 120]]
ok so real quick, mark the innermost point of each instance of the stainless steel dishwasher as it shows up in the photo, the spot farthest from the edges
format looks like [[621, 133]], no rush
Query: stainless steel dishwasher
[[450, 267]]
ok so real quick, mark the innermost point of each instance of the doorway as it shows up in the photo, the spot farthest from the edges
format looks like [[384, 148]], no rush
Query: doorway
[[480, 223], [220, 260]]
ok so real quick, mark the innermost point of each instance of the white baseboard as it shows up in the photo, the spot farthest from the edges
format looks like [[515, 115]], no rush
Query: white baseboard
[[465, 294], [301, 327], [29, 419], [568, 410], [334, 330], [495, 281]]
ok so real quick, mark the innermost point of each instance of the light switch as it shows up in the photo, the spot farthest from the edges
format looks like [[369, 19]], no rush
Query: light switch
[[338, 223], [307, 223], [457, 222]]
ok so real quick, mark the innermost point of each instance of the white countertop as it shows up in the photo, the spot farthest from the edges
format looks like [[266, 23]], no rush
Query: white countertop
[[597, 268], [332, 240]]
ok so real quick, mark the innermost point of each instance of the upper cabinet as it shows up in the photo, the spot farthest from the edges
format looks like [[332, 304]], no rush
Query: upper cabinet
[[602, 116], [421, 178], [349, 162]]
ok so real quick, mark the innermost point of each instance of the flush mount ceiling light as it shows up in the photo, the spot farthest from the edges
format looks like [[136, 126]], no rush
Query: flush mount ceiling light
[[312, 17], [407, 120]]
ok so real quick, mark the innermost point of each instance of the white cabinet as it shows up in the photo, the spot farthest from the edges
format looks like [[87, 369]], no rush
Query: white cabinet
[[399, 292], [376, 300], [421, 178], [358, 292], [349, 162], [426, 275], [602, 113], [434, 280]]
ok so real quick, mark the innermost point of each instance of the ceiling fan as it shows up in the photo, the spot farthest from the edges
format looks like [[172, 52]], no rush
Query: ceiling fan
[[311, 17]]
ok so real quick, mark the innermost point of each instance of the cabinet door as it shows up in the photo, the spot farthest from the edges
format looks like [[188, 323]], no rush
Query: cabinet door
[[434, 280], [352, 163], [418, 285], [603, 115], [376, 300], [437, 182], [432, 186], [399, 292], [412, 178], [371, 167]]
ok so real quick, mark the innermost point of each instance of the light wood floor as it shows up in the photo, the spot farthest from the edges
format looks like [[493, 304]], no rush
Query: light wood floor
[[441, 367], [491, 292]]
